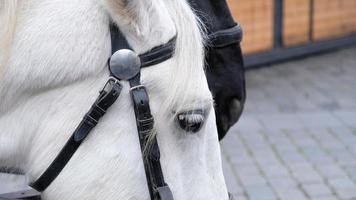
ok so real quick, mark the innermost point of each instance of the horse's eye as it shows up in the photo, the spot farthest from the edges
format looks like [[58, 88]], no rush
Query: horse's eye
[[191, 121]]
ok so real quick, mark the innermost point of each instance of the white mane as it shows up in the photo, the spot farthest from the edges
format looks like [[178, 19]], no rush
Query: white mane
[[189, 70]]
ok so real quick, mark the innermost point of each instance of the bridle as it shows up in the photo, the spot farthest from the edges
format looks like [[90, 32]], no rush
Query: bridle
[[124, 65]]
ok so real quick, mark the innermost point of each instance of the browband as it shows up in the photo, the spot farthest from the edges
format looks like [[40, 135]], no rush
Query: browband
[[158, 54], [152, 57]]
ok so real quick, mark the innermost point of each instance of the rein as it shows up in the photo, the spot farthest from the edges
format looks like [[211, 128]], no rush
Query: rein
[[124, 65]]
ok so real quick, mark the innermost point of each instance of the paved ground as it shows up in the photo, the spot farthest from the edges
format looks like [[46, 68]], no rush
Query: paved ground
[[297, 137]]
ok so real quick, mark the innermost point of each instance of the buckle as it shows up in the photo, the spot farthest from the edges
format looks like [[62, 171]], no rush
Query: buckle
[[108, 85], [108, 95], [145, 125], [140, 99], [137, 87]]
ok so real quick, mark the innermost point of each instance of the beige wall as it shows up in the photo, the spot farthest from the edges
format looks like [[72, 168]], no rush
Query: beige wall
[[256, 18], [331, 18]]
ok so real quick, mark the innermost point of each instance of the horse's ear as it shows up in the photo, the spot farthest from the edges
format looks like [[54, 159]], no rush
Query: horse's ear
[[8, 18], [118, 8], [133, 13], [145, 23]]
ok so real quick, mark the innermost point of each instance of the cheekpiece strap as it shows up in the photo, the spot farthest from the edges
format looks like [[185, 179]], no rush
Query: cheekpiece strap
[[158, 189], [144, 118], [106, 98]]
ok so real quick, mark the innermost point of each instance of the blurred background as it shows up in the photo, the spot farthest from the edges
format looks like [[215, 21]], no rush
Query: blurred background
[[296, 139]]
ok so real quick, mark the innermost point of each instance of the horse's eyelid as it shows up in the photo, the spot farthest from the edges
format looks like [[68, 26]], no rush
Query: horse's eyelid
[[203, 109]]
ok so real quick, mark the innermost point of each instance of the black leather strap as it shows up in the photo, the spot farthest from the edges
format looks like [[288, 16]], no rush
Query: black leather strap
[[152, 57], [106, 98], [158, 54], [118, 40], [226, 37], [158, 188]]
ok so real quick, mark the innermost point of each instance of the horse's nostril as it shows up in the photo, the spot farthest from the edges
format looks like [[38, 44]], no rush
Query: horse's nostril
[[191, 121]]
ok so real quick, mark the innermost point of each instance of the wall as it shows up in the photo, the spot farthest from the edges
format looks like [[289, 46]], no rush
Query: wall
[[303, 21], [256, 18]]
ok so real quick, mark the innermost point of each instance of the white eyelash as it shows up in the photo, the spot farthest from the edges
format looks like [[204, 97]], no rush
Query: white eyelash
[[191, 118]]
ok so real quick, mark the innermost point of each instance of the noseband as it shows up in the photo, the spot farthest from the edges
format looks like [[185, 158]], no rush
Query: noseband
[[124, 65]]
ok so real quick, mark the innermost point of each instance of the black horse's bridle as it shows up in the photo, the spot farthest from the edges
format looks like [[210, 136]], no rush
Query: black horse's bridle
[[124, 65]]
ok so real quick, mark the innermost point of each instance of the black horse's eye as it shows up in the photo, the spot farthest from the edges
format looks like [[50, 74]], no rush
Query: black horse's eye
[[191, 121]]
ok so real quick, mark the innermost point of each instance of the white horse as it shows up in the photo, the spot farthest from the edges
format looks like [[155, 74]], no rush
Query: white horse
[[53, 63]]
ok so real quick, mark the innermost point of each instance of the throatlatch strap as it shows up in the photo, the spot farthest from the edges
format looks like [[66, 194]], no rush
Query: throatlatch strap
[[90, 120]]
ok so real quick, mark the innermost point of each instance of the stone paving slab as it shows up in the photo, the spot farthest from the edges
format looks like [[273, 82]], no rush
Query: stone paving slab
[[297, 137]]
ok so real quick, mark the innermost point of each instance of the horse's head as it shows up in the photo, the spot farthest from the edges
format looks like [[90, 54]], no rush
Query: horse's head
[[58, 62]]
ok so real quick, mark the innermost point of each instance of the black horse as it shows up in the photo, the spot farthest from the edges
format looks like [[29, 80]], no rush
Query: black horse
[[225, 68]]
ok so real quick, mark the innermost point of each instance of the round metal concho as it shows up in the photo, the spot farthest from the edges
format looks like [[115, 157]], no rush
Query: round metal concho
[[124, 64]]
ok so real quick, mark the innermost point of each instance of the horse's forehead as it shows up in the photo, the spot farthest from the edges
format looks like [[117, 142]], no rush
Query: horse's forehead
[[145, 24]]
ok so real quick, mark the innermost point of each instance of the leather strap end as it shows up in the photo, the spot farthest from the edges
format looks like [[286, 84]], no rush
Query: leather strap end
[[163, 193]]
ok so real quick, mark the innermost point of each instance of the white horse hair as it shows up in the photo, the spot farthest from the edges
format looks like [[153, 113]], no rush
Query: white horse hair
[[53, 62], [8, 22]]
